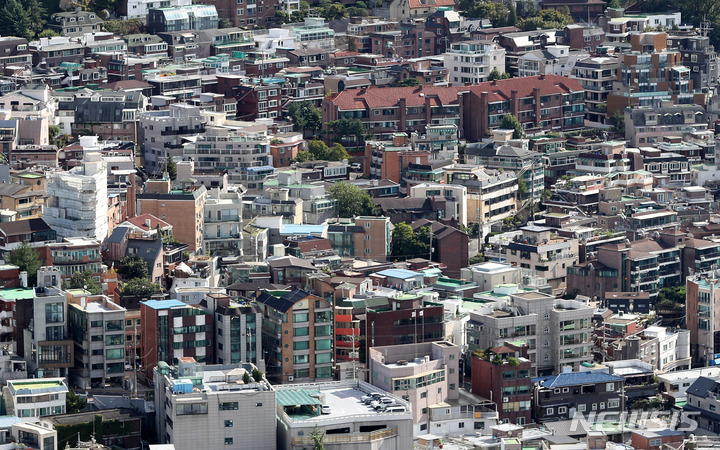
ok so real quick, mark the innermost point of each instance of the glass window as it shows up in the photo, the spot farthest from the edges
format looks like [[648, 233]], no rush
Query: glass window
[[302, 345], [96, 323], [229, 406], [300, 317], [323, 358], [302, 331], [115, 353], [323, 344], [115, 339], [301, 359], [54, 313], [323, 330], [113, 325], [228, 423], [323, 372]]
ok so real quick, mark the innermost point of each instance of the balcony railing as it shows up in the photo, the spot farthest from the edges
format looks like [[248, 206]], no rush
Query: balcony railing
[[350, 438]]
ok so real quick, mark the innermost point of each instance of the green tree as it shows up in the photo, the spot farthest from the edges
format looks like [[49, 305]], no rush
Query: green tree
[[133, 267], [512, 16], [73, 402], [407, 82], [337, 153], [171, 168], [225, 23], [305, 116], [317, 436], [334, 11], [303, 155], [352, 44], [26, 258], [510, 122], [139, 287], [85, 280], [246, 378], [355, 11], [53, 133], [351, 200], [408, 244], [282, 17], [348, 128], [495, 11], [15, 20], [46, 33], [618, 120], [546, 18], [526, 9], [257, 375]]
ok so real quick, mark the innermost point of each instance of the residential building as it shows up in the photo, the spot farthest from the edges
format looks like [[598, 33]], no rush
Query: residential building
[[656, 439], [14, 51], [164, 131], [675, 384], [298, 415], [97, 326], [698, 55], [552, 60], [540, 250], [35, 232], [559, 397], [517, 43], [702, 294], [556, 332], [363, 237], [620, 27], [490, 274], [46, 344], [663, 348], [172, 330], [582, 11], [211, 406], [34, 435], [77, 200], [138, 9], [22, 199], [223, 215], [538, 102], [250, 150], [106, 113], [446, 240], [649, 125], [702, 400], [75, 23], [35, 398], [176, 207], [596, 74], [651, 74], [181, 18], [298, 339], [121, 426], [422, 373], [414, 9], [507, 384], [470, 62], [580, 36], [238, 330]]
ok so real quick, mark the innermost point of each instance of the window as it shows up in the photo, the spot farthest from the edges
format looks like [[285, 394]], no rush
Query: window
[[54, 313], [549, 411], [423, 395], [581, 407], [613, 403], [228, 424], [228, 441], [228, 406], [611, 387], [562, 409], [655, 442]]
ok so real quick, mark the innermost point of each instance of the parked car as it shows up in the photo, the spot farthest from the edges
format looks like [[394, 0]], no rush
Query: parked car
[[381, 402], [325, 409], [357, 167], [394, 408], [367, 399]]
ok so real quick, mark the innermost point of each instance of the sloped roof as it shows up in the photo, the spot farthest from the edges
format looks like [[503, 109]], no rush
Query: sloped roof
[[23, 226], [701, 386], [575, 378], [284, 303]]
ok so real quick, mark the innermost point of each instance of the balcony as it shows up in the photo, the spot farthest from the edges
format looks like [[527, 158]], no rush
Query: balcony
[[349, 438]]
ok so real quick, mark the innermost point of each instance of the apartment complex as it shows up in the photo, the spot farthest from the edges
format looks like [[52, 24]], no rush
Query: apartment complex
[[470, 62], [163, 132], [543, 102], [213, 406], [702, 294], [423, 374], [35, 398], [298, 339], [556, 332]]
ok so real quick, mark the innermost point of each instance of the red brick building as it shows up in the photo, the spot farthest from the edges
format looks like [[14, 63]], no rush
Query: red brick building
[[507, 384]]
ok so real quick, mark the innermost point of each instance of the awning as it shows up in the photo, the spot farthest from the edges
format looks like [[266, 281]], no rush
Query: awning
[[298, 397]]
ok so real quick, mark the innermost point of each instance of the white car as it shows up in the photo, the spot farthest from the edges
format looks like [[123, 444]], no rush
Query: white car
[[381, 403], [325, 409], [367, 399], [356, 167]]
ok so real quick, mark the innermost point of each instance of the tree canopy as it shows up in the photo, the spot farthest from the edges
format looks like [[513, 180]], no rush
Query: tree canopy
[[351, 200], [496, 75], [510, 122], [21, 18], [546, 18], [26, 258], [139, 287], [412, 81], [305, 116], [133, 267], [85, 280], [348, 128], [408, 244], [319, 151]]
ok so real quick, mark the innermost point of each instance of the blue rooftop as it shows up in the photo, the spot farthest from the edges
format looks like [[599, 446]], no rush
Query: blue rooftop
[[257, 169], [303, 229], [163, 304], [403, 274], [575, 378], [8, 421]]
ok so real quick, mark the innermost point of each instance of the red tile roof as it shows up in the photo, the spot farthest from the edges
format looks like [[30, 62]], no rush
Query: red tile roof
[[140, 222], [448, 95]]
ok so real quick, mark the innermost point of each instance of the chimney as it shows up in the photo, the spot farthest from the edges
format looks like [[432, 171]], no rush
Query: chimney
[[542, 76], [148, 223]]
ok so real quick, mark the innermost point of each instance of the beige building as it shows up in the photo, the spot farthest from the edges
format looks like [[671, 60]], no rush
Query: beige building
[[424, 374], [275, 202], [539, 251], [183, 209]]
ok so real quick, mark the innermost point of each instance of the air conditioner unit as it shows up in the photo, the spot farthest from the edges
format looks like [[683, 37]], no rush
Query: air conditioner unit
[[291, 378], [505, 399]]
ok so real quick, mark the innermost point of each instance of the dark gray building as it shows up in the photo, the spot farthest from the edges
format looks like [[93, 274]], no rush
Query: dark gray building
[[702, 398], [559, 397], [698, 55]]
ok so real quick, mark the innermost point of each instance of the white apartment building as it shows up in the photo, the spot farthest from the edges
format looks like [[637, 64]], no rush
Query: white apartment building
[[97, 326], [35, 397], [664, 348], [199, 406], [458, 195], [470, 62], [223, 222], [46, 347], [538, 250], [163, 132], [552, 60], [138, 9], [77, 204], [676, 384], [557, 332], [234, 149], [423, 374]]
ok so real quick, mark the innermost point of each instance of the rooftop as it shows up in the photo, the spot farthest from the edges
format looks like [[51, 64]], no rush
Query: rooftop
[[163, 304]]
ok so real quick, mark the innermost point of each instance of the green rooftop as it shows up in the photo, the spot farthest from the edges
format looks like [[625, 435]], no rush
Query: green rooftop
[[37, 384], [17, 293]]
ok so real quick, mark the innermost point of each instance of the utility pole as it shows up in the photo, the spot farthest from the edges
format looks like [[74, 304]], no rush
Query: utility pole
[[431, 242], [414, 313]]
